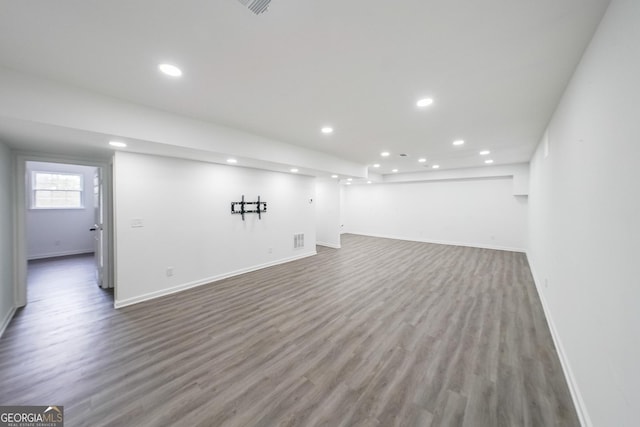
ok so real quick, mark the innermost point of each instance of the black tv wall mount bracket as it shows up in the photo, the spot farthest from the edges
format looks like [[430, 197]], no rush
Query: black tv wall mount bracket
[[241, 207]]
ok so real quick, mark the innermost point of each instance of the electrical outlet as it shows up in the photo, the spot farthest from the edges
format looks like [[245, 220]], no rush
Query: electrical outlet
[[270, 250], [169, 271], [56, 243]]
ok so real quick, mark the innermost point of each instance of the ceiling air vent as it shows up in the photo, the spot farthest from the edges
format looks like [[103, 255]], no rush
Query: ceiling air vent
[[256, 6]]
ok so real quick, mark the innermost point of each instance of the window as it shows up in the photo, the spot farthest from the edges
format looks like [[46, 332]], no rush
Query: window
[[56, 190]]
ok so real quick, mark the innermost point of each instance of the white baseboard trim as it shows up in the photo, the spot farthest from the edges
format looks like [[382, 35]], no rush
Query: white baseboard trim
[[578, 401], [329, 245], [441, 242], [59, 254], [205, 281], [7, 320]]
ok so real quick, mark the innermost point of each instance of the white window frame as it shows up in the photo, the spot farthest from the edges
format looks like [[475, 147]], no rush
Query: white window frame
[[33, 190]]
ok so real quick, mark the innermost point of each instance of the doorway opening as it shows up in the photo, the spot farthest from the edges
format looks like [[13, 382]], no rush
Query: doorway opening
[[64, 231]]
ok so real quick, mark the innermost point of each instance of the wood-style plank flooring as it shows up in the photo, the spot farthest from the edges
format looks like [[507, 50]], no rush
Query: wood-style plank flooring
[[379, 333]]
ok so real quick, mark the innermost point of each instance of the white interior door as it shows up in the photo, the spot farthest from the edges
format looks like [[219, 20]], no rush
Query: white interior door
[[98, 227]]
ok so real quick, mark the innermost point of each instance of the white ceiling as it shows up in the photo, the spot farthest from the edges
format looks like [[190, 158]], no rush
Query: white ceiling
[[496, 68]]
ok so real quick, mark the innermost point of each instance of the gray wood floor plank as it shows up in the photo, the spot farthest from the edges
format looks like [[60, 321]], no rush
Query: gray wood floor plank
[[379, 333]]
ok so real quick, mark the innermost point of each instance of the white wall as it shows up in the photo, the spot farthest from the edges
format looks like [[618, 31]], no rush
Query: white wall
[[6, 239], [185, 208], [584, 227], [57, 232], [343, 210], [327, 203], [479, 212]]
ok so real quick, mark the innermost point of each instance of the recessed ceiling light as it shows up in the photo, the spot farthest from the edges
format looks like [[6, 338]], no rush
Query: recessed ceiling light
[[334, 176], [385, 154], [348, 183], [376, 165], [294, 170], [458, 142], [424, 102], [436, 166], [485, 152], [422, 160], [327, 130], [349, 179], [170, 70], [232, 161], [368, 182], [117, 144], [488, 161], [394, 170]]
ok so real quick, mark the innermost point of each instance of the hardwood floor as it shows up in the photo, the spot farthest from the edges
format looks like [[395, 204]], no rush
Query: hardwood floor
[[378, 333]]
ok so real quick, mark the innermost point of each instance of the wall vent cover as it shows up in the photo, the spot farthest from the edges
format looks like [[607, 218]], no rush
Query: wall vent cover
[[256, 6], [298, 241]]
